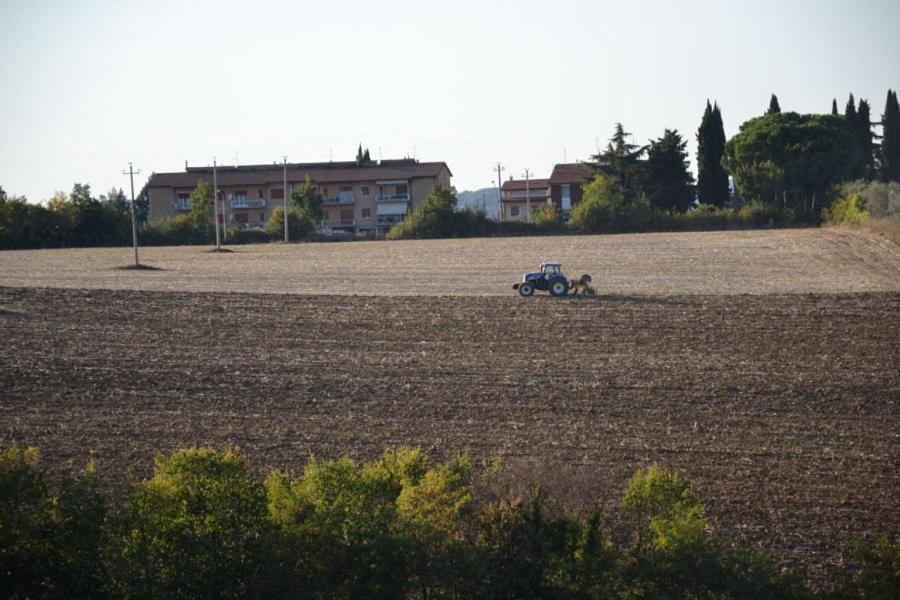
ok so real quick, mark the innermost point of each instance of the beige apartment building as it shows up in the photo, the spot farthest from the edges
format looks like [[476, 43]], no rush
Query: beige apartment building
[[367, 196]]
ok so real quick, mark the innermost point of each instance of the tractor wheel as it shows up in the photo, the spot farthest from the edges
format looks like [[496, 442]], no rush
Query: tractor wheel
[[526, 289], [559, 287]]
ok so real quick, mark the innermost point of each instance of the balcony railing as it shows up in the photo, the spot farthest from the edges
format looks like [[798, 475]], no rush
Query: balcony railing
[[183, 206], [393, 197], [339, 223], [342, 199], [245, 203]]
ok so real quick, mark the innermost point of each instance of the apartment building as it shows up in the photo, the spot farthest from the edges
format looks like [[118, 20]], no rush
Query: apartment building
[[517, 194], [359, 196]]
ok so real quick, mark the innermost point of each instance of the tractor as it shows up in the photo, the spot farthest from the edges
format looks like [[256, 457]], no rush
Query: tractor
[[549, 278]]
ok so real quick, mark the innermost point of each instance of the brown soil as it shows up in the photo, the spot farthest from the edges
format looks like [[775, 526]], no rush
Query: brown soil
[[782, 409], [750, 262]]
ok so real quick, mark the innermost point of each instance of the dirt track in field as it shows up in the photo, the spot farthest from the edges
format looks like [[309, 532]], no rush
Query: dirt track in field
[[782, 409], [754, 262]]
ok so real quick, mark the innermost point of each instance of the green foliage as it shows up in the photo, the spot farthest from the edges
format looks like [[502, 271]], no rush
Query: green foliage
[[548, 217], [195, 529], [667, 179], [51, 544], [878, 576], [299, 226], [202, 208], [177, 230], [438, 217], [605, 209], [793, 157], [712, 180], [846, 211], [774, 107], [889, 152], [621, 161], [308, 200], [866, 140], [881, 200]]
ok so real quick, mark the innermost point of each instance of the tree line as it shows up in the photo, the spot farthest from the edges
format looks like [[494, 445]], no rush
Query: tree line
[[395, 527]]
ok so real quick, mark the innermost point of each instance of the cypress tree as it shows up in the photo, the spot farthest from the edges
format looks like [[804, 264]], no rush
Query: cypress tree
[[850, 111], [712, 180], [889, 168], [856, 164], [834, 110], [670, 185], [774, 108], [866, 139]]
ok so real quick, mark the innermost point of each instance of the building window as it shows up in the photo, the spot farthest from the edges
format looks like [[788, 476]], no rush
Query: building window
[[239, 198], [277, 193], [325, 190], [262, 194], [401, 189], [566, 196], [365, 190], [345, 189], [183, 201], [514, 211], [366, 212], [262, 217]]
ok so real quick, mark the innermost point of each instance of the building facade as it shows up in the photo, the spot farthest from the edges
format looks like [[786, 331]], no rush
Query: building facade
[[516, 195], [567, 184], [366, 196]]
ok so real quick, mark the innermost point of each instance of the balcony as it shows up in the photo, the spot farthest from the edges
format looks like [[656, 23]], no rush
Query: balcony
[[245, 203], [182, 205], [393, 198], [342, 199], [339, 223]]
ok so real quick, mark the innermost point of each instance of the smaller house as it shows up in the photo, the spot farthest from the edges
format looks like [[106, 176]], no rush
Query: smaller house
[[566, 184], [516, 195]]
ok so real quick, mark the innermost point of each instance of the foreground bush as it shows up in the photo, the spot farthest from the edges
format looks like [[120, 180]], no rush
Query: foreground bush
[[396, 527]]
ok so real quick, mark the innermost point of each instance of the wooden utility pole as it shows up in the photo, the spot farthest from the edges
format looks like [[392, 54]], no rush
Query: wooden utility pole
[[134, 242], [500, 169], [216, 205], [284, 195], [527, 197]]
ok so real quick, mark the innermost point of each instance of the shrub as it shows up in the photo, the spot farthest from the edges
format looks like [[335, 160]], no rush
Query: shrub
[[846, 211], [178, 230], [548, 217], [195, 529], [248, 236], [298, 227]]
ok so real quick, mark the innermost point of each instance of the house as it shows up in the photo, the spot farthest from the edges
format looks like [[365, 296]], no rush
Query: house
[[359, 196], [567, 184], [517, 194]]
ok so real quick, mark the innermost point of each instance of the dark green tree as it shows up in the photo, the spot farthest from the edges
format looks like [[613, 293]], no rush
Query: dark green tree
[[792, 157], [834, 109], [622, 161], [856, 163], [866, 139], [115, 199], [202, 207], [142, 205], [81, 195], [359, 154], [889, 154], [366, 156], [668, 179], [774, 108], [712, 180], [308, 200]]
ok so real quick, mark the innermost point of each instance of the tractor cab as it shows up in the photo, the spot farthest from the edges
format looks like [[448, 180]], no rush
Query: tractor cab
[[549, 270]]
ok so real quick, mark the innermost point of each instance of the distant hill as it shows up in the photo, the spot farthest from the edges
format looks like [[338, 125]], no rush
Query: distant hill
[[488, 197]]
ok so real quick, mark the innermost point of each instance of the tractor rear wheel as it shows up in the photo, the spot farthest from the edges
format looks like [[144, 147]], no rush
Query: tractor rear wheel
[[526, 289], [559, 286]]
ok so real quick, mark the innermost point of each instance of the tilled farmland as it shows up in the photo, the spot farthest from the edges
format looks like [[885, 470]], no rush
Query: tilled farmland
[[782, 409]]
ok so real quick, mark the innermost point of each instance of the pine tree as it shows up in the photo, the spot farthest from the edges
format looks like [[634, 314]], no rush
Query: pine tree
[[712, 179], [889, 157], [774, 108], [622, 161], [359, 154], [866, 139], [670, 185], [834, 109]]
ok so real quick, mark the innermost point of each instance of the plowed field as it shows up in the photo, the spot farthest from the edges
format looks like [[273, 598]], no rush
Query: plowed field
[[781, 408]]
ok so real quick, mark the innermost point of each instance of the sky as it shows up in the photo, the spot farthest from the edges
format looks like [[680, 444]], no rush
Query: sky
[[90, 86]]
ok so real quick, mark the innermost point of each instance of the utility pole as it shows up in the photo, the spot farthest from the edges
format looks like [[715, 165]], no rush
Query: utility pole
[[130, 173], [284, 197], [527, 197], [500, 169], [216, 206]]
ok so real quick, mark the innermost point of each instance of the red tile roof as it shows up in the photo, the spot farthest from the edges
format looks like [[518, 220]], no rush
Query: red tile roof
[[516, 185], [318, 172], [571, 173]]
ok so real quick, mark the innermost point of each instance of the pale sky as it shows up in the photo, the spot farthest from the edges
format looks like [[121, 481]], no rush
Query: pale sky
[[90, 85]]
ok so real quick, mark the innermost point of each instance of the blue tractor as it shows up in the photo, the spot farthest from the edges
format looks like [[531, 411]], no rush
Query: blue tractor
[[549, 278]]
